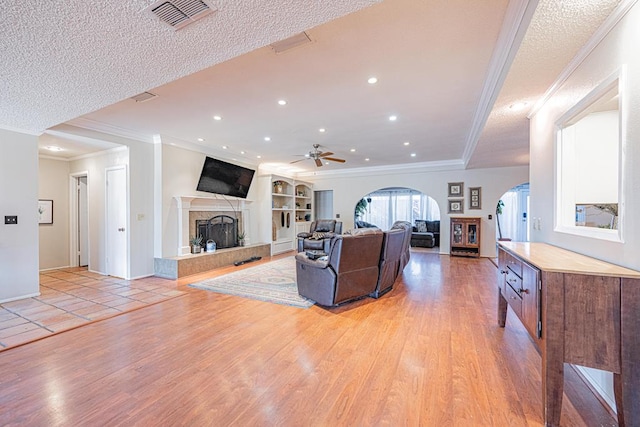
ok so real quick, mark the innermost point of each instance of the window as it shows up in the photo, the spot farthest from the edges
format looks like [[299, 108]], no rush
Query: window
[[588, 159], [399, 204]]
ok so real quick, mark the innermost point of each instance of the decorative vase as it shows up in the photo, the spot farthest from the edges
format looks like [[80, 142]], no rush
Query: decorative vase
[[277, 189], [195, 249]]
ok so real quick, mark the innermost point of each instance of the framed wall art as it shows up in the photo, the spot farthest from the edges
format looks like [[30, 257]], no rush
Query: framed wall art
[[456, 206], [475, 197], [45, 211], [456, 189]]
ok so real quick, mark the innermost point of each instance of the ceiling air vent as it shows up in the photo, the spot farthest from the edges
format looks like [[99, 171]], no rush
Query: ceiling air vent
[[144, 96], [291, 42], [180, 13]]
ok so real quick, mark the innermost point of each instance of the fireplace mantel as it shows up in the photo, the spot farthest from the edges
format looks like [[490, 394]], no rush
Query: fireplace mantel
[[186, 204]]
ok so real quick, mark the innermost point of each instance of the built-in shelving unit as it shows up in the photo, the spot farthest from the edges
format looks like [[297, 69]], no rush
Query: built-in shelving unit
[[290, 211]]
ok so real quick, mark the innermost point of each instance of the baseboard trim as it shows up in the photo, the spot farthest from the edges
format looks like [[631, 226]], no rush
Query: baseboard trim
[[595, 391], [36, 294]]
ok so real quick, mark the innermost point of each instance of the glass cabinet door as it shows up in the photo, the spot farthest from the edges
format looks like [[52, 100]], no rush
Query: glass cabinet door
[[472, 234], [457, 233]]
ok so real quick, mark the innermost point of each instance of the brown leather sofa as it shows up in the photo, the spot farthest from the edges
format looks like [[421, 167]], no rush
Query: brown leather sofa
[[327, 227], [348, 272]]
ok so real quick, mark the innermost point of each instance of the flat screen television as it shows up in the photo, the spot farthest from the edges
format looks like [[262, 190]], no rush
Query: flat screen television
[[224, 178]]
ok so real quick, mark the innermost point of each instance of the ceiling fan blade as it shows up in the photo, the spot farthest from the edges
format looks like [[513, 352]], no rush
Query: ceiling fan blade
[[333, 159], [318, 162], [328, 153], [296, 161]]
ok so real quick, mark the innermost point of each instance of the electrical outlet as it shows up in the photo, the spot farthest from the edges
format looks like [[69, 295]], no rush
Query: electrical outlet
[[11, 219], [337, 215]]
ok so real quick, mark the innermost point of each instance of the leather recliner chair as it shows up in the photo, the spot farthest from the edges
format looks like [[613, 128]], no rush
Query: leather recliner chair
[[406, 252], [328, 227], [390, 258], [348, 272]]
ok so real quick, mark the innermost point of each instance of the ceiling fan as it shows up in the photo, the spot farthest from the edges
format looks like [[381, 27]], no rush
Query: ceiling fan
[[319, 156]]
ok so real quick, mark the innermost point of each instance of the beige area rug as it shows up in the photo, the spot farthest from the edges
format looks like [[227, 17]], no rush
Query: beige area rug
[[271, 282]]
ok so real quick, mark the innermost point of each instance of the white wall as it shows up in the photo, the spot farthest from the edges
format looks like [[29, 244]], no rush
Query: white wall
[[53, 181], [18, 196], [349, 188], [620, 47]]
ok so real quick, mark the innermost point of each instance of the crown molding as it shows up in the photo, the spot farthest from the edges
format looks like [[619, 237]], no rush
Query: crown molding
[[97, 126], [18, 130], [516, 22], [612, 20], [445, 165], [60, 159]]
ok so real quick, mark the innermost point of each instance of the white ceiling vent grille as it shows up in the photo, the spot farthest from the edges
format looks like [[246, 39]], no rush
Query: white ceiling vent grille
[[144, 96], [180, 13], [291, 42]]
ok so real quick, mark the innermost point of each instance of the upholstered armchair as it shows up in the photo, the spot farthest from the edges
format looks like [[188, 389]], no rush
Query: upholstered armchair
[[348, 272], [319, 236]]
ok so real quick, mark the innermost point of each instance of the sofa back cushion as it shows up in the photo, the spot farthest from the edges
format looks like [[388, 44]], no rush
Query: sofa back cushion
[[433, 226]]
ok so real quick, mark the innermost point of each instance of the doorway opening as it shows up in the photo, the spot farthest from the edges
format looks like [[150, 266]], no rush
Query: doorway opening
[[79, 218], [512, 215]]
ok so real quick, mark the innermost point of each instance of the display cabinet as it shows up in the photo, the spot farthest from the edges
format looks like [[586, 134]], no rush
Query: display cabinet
[[465, 236]]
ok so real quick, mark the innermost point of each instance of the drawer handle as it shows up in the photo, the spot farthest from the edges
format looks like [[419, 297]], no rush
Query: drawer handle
[[524, 291]]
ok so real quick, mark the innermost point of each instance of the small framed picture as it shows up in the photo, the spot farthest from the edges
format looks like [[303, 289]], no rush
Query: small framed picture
[[456, 189], [45, 211], [456, 206], [475, 197]]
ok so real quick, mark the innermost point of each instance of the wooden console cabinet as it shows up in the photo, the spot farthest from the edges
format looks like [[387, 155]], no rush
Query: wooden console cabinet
[[465, 236], [578, 310]]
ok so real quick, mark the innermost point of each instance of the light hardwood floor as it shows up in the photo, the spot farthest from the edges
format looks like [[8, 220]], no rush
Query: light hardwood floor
[[429, 353]]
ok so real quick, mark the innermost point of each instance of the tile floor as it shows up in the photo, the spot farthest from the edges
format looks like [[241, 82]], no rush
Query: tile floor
[[71, 297]]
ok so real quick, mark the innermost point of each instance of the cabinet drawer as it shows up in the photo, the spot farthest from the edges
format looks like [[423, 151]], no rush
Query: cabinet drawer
[[514, 300], [513, 281], [514, 265]]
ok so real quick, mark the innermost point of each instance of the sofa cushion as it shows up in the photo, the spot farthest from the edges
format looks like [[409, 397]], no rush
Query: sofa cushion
[[433, 226], [421, 226]]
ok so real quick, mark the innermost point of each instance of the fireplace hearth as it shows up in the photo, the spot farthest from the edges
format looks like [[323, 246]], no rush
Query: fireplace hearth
[[222, 229]]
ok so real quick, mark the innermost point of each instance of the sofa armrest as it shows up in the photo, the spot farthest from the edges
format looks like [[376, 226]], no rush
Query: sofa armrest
[[319, 263], [304, 235]]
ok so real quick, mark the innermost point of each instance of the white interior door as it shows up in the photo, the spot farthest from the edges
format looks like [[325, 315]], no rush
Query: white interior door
[[116, 224], [83, 222]]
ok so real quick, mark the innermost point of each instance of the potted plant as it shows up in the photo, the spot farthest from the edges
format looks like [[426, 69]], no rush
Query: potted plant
[[241, 237], [361, 208], [196, 244], [499, 207]]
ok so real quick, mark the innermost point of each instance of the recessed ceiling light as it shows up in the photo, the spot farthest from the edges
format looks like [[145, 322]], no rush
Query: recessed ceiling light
[[242, 152], [353, 150], [218, 118], [366, 160], [259, 157], [393, 118], [326, 163], [53, 148], [406, 143], [282, 102], [200, 139], [267, 138], [224, 147], [372, 80], [413, 154], [518, 106], [322, 130]]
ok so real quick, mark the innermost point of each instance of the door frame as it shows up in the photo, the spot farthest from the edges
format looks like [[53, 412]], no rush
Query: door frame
[[106, 220], [73, 219]]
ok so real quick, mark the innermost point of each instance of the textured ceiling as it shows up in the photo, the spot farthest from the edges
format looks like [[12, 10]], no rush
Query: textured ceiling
[[78, 60]]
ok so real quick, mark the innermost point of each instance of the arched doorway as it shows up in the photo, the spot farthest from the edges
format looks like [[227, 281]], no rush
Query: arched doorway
[[512, 214], [381, 208]]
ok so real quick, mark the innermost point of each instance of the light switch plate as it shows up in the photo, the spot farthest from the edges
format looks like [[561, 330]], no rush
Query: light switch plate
[[11, 219]]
